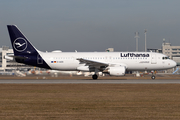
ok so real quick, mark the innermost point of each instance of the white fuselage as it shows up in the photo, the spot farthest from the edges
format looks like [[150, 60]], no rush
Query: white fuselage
[[132, 60]]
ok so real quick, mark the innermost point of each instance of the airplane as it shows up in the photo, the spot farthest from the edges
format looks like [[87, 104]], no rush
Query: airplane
[[113, 63]]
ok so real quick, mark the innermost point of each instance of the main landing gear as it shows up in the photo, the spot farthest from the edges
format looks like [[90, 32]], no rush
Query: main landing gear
[[94, 77]]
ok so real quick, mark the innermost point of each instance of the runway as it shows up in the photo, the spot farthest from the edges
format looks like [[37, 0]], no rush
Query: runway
[[90, 81]]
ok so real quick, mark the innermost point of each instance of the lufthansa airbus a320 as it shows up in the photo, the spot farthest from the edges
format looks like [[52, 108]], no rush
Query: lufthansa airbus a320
[[113, 63]]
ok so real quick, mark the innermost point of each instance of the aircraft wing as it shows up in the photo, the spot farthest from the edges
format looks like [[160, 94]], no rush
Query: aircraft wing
[[92, 63]]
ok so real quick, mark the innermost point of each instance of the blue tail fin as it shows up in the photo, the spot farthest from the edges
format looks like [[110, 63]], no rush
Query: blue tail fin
[[19, 42], [24, 51]]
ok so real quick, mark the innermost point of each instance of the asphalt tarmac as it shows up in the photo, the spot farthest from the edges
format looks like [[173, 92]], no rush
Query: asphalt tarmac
[[135, 81]]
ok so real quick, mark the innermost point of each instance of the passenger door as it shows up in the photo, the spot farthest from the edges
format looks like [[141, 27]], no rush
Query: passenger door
[[153, 59]]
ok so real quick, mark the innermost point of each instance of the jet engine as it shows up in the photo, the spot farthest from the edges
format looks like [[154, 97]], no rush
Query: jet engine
[[117, 71]]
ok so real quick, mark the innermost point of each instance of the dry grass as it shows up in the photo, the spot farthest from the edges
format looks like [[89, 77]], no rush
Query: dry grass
[[89, 101]]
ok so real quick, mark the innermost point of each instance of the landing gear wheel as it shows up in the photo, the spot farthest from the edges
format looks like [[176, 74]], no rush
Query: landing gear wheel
[[153, 77], [94, 77]]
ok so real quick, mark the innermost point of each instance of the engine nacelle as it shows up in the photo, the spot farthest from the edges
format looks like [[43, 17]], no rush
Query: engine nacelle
[[83, 68], [117, 71]]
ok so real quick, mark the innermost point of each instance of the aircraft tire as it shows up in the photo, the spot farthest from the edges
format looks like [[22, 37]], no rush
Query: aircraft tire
[[94, 77], [153, 77]]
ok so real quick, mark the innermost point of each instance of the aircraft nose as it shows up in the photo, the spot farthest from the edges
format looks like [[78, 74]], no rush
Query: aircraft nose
[[173, 63]]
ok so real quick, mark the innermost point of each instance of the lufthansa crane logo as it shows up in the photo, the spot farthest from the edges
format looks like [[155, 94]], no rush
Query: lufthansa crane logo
[[20, 44]]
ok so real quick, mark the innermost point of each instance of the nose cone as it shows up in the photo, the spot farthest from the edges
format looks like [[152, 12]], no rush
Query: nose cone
[[173, 63]]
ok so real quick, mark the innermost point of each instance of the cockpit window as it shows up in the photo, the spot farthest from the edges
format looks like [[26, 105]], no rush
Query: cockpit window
[[165, 58]]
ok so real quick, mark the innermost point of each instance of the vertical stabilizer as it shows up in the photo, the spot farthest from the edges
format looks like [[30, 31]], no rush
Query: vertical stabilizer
[[24, 51], [20, 43]]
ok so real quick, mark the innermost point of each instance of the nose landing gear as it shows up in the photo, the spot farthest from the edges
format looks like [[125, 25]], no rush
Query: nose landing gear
[[153, 76]]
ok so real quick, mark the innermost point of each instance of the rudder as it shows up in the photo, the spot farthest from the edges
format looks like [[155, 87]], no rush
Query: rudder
[[19, 42]]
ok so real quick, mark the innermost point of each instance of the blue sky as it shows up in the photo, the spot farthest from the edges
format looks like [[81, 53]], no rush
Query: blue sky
[[92, 25]]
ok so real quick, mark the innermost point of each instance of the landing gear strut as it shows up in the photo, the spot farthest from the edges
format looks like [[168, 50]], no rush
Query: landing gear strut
[[94, 77]]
